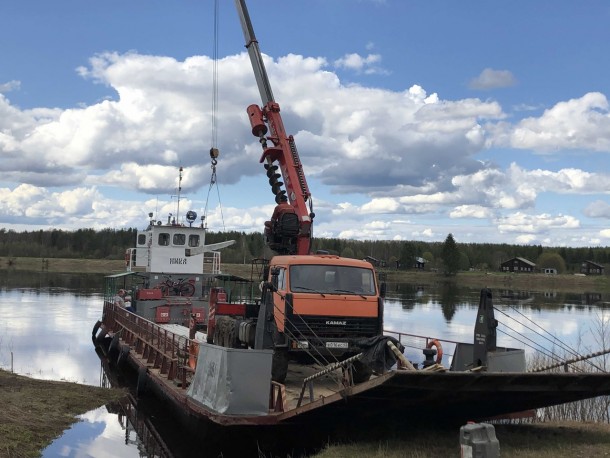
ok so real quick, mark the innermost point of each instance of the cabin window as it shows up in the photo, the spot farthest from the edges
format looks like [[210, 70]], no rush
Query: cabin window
[[193, 240], [163, 239], [281, 279], [179, 239], [141, 239]]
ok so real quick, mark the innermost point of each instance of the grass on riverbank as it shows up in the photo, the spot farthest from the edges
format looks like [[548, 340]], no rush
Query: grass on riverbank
[[35, 412], [542, 440], [494, 280], [62, 265]]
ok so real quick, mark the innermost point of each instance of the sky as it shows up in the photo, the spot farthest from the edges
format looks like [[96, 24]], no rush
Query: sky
[[413, 119]]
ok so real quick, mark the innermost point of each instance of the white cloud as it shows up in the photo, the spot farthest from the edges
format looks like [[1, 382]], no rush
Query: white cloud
[[470, 211], [9, 86], [363, 64], [597, 209], [582, 123], [402, 152], [492, 79], [535, 224]]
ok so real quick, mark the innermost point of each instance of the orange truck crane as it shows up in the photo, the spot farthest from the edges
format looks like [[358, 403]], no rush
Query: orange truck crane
[[313, 307]]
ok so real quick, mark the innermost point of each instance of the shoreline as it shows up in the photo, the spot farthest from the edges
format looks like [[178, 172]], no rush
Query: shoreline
[[490, 279], [36, 412]]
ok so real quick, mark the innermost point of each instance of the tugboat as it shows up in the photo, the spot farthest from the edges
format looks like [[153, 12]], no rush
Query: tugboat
[[169, 271]]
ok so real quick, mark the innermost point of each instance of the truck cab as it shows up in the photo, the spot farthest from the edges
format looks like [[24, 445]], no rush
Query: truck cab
[[322, 306]]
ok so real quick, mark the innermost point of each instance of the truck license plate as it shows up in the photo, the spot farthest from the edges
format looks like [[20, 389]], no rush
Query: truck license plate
[[337, 345]]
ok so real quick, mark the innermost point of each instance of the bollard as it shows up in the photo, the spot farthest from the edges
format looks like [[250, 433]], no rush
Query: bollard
[[478, 440]]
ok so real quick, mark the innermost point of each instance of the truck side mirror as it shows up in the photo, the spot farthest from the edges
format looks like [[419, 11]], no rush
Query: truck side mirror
[[270, 286], [382, 289]]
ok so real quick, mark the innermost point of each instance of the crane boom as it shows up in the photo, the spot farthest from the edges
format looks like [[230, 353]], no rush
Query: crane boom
[[289, 230], [260, 73]]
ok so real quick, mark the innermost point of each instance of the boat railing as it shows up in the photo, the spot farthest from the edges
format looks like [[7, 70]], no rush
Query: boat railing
[[161, 349], [211, 261], [130, 259], [308, 381]]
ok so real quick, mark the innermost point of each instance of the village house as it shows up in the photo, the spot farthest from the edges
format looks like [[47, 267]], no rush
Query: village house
[[376, 262], [591, 268], [420, 263], [518, 265]]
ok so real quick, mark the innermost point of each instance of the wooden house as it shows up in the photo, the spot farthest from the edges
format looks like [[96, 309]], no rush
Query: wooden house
[[376, 262], [420, 263], [518, 265], [591, 268]]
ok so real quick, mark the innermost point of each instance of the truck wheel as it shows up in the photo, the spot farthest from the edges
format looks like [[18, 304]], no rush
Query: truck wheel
[[217, 338], [360, 372], [232, 340], [209, 336], [279, 365]]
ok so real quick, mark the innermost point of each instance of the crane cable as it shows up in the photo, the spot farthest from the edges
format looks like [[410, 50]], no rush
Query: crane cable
[[214, 152]]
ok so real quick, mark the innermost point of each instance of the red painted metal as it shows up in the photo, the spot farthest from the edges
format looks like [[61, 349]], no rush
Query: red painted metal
[[149, 294], [162, 314]]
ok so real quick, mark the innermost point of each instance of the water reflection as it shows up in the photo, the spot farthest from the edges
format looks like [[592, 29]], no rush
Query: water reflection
[[530, 320], [47, 320]]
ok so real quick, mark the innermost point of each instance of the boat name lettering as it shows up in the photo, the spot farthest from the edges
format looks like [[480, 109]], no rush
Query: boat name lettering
[[336, 323], [177, 260]]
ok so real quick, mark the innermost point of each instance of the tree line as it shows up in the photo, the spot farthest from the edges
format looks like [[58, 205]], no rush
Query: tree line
[[449, 256]]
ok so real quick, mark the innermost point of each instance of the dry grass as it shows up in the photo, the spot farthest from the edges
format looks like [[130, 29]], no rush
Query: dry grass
[[62, 265], [555, 440], [35, 412], [534, 282]]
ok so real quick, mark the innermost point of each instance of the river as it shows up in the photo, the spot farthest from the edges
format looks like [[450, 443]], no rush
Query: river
[[45, 333]]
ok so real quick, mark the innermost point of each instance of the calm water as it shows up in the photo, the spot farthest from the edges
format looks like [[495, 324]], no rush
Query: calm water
[[45, 333]]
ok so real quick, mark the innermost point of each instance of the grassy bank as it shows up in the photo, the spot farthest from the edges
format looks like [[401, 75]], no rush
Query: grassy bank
[[544, 440], [35, 412], [494, 280], [62, 265]]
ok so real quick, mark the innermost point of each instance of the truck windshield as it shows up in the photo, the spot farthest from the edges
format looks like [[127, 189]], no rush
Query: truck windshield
[[328, 279]]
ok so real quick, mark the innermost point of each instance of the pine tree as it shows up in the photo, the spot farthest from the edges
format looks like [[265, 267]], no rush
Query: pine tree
[[450, 255]]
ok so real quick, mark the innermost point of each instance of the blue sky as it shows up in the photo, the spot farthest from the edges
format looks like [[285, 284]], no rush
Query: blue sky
[[413, 119]]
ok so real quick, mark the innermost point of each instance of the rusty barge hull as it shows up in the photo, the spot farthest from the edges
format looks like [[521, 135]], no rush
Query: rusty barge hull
[[448, 396], [463, 396]]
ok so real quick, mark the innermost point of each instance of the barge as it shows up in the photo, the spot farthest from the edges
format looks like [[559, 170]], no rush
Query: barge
[[310, 343], [232, 386]]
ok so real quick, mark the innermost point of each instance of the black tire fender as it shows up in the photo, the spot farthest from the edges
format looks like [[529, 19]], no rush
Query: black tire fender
[[115, 346], [123, 355], [142, 385]]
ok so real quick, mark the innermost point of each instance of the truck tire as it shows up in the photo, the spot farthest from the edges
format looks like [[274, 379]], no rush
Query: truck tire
[[216, 338], [225, 332], [232, 339], [279, 365], [209, 337], [360, 372]]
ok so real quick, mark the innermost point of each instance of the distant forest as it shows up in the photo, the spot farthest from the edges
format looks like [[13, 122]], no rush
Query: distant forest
[[112, 243]]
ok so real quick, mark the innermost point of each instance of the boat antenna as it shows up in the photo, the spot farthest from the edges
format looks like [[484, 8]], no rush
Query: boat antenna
[[176, 218]]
